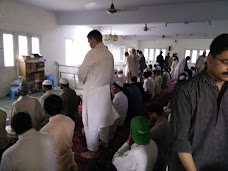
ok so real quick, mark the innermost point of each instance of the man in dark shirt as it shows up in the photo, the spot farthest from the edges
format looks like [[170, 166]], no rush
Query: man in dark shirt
[[160, 59], [70, 99], [199, 122]]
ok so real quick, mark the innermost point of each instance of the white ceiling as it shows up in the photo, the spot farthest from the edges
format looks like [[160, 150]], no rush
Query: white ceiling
[[174, 19]]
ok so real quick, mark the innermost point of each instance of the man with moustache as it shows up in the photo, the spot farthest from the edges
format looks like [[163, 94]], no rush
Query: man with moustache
[[200, 115]]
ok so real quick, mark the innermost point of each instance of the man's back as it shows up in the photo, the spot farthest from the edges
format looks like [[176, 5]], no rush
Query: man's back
[[32, 106], [97, 68], [33, 151], [44, 96], [4, 139], [136, 158], [70, 102], [61, 129]]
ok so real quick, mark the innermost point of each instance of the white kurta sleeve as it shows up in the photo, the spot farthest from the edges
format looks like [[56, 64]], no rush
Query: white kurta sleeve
[[87, 63], [123, 159]]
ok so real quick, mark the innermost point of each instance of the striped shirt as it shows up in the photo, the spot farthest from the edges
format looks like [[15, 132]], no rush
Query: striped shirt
[[199, 124]]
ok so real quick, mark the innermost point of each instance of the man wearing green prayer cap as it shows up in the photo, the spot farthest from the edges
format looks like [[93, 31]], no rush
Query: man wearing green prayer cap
[[138, 153]]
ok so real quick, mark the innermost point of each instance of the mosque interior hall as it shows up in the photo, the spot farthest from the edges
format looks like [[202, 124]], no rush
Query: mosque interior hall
[[48, 56]]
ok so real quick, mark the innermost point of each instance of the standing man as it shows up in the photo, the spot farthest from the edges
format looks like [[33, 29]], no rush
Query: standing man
[[96, 73], [200, 132], [70, 99], [160, 59], [181, 67], [200, 62], [167, 59]]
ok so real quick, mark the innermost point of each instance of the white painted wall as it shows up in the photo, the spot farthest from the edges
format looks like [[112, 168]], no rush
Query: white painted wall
[[178, 47], [126, 43], [20, 18]]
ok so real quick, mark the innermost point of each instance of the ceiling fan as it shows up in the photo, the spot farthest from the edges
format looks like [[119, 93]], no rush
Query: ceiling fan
[[113, 10], [146, 28], [166, 36]]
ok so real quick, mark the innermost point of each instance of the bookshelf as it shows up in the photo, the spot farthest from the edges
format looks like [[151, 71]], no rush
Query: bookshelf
[[32, 69]]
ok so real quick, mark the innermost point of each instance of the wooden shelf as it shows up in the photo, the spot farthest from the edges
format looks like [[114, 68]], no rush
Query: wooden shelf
[[34, 73]]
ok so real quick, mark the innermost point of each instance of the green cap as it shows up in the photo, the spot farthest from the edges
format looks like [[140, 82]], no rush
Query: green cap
[[140, 128]]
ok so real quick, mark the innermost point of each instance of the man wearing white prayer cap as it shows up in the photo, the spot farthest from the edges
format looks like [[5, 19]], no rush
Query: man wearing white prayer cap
[[70, 99], [47, 90]]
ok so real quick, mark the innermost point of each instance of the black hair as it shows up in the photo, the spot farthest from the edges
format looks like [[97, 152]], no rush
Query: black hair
[[64, 85], [155, 107], [134, 79], [21, 122], [219, 45], [126, 53], [145, 74], [49, 87], [53, 104], [166, 69], [96, 35], [121, 88]]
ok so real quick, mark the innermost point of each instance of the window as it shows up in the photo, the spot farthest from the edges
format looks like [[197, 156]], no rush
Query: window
[[117, 52], [8, 50], [194, 54], [146, 54], [164, 52], [69, 51], [151, 57], [187, 53], [72, 49], [157, 52], [151, 54], [35, 45], [23, 46]]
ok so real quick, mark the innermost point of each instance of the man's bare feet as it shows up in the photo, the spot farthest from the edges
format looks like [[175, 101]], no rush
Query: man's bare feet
[[90, 154]]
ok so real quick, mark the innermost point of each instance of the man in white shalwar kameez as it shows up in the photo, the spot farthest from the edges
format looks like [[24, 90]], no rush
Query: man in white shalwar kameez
[[130, 67], [181, 67], [96, 73]]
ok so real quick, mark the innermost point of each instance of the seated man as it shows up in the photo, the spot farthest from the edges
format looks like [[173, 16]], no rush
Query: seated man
[[159, 133], [148, 86], [70, 99], [31, 105], [4, 138], [61, 129], [122, 77], [33, 151], [120, 101], [138, 153], [47, 90], [135, 101]]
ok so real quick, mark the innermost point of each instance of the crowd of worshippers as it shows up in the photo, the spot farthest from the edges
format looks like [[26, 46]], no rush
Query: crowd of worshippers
[[54, 114], [45, 128], [42, 130]]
